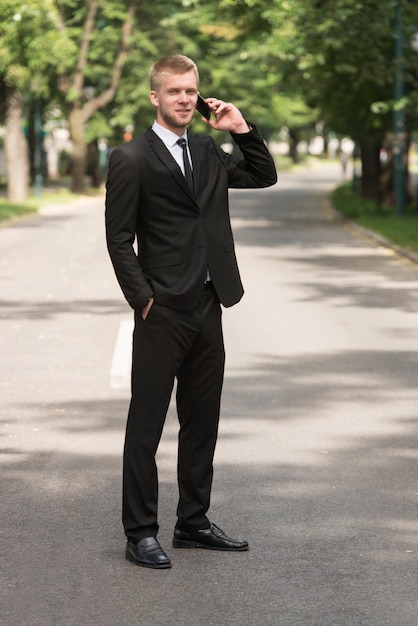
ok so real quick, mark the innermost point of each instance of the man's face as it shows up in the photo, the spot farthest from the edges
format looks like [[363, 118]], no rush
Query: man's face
[[175, 100]]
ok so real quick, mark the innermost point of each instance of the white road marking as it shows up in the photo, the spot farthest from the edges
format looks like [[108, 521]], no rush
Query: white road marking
[[120, 372]]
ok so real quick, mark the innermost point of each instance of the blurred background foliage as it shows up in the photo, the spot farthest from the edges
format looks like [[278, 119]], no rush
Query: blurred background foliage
[[292, 66]]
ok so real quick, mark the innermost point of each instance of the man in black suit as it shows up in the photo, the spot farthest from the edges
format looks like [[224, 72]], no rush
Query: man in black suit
[[172, 199]]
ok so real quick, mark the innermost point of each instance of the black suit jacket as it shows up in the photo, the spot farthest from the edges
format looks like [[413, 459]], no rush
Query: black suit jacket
[[179, 236]]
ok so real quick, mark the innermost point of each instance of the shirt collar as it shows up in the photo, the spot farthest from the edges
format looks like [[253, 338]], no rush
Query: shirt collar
[[167, 136]]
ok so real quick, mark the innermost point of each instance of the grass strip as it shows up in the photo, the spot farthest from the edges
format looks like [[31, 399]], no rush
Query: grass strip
[[401, 231], [60, 195], [9, 210]]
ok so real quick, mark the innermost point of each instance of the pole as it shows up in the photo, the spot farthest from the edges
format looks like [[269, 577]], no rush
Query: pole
[[38, 149], [399, 117]]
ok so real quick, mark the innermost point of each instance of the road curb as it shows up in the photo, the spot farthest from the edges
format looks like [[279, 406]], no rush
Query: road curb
[[370, 234]]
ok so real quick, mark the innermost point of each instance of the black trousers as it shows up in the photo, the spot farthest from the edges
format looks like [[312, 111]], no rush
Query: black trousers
[[169, 344]]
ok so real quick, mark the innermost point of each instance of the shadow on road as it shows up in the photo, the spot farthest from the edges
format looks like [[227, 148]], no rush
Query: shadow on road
[[331, 526], [316, 461]]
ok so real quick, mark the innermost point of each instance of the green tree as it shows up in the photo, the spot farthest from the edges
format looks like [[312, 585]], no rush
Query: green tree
[[283, 62], [344, 56], [73, 52], [98, 35], [329, 60], [240, 47], [28, 48]]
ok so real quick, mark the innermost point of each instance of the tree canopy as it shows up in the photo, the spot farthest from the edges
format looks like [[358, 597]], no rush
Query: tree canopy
[[285, 63]]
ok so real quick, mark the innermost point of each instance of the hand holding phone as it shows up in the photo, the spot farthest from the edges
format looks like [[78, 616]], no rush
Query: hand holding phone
[[202, 107], [226, 116]]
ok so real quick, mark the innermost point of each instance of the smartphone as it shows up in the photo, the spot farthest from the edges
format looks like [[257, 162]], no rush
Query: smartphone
[[202, 107]]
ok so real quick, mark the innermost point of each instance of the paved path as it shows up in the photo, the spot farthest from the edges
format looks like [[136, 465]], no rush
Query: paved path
[[317, 457]]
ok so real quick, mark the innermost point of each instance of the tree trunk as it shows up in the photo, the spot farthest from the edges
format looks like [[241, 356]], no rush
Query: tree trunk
[[370, 168], [79, 157], [387, 194], [79, 114], [93, 165], [293, 146], [16, 148]]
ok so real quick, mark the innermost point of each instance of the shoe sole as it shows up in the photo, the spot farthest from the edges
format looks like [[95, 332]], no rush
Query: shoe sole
[[183, 543]]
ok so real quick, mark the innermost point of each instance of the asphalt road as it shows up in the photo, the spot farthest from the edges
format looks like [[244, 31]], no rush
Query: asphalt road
[[316, 463]]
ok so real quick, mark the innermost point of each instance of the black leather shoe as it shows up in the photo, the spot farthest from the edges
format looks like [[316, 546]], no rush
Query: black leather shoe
[[212, 538], [147, 553]]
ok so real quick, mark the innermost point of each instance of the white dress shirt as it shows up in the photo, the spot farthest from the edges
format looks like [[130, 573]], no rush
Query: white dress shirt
[[170, 140]]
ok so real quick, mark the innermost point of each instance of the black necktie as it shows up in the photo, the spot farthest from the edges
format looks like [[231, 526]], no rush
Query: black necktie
[[187, 168]]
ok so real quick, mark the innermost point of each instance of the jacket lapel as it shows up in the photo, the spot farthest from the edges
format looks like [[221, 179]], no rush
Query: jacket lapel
[[195, 153], [164, 155]]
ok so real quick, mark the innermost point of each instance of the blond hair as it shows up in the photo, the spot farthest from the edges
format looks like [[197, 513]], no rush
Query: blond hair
[[174, 64]]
